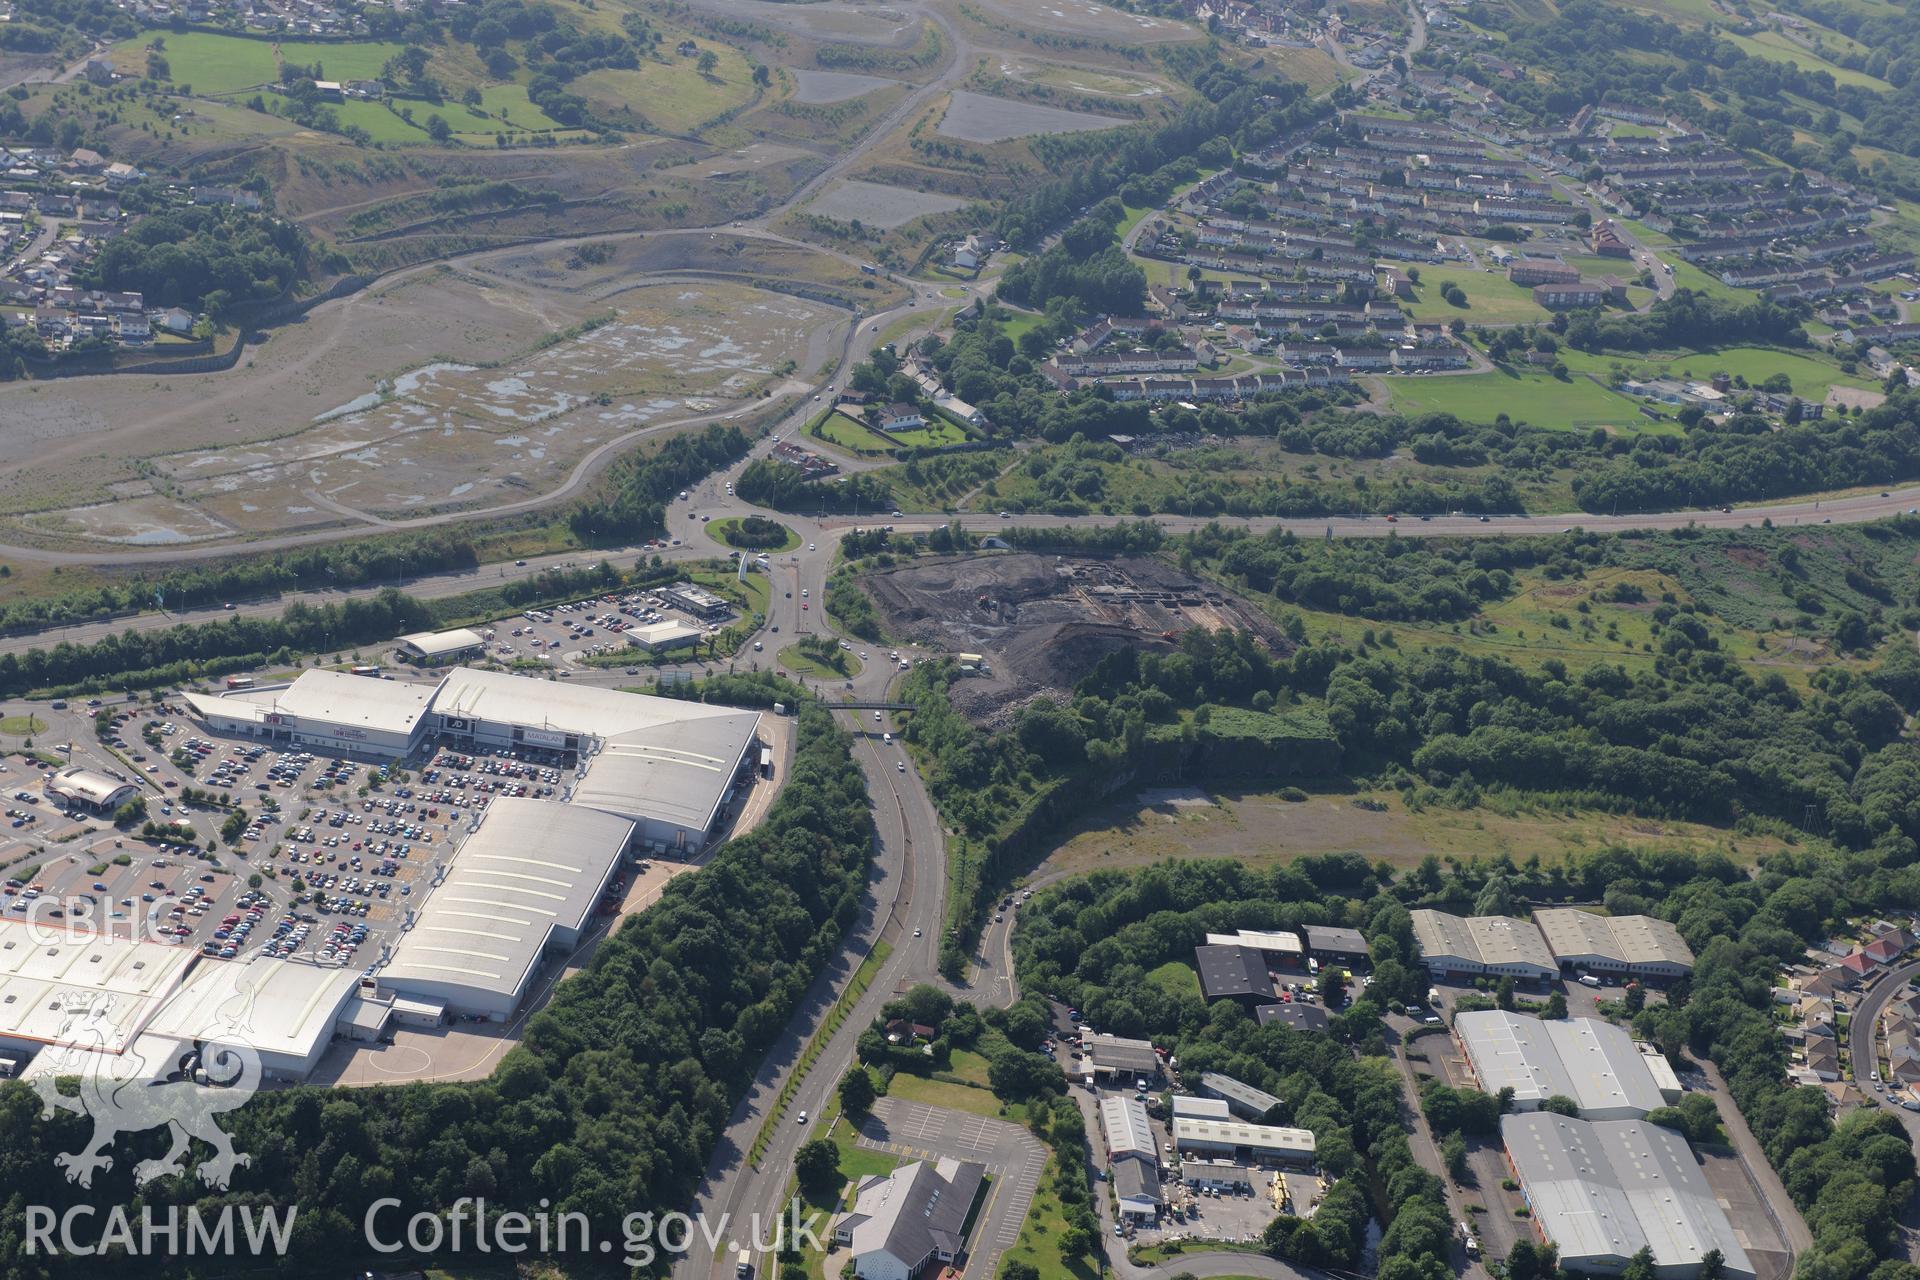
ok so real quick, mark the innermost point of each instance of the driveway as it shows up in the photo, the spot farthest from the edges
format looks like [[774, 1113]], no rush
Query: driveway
[[1014, 1159]]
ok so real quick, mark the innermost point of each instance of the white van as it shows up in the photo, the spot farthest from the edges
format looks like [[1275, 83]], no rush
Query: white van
[[1588, 980]]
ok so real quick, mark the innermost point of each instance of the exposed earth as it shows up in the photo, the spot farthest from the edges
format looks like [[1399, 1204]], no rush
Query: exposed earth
[[1042, 622]]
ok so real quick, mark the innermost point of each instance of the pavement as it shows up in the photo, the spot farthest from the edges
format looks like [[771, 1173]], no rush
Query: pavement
[[1787, 1222], [1014, 1159], [1427, 1152]]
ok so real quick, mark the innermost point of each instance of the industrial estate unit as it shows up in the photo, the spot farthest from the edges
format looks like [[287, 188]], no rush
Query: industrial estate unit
[[1600, 1191], [1594, 1063], [1556, 940]]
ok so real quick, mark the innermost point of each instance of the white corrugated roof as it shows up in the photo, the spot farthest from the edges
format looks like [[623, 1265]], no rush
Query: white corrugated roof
[[92, 991], [433, 644], [1592, 1062], [1259, 1137], [276, 1006], [533, 866], [1602, 1190], [1125, 1121]]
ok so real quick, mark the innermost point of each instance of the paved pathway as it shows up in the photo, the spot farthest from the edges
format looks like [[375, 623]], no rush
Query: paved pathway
[[1014, 1158]]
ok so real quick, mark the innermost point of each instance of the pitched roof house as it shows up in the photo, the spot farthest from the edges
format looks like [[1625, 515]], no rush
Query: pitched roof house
[[903, 1220]]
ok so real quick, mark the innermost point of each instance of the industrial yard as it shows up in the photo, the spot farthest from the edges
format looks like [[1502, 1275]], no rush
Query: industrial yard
[[1042, 622]]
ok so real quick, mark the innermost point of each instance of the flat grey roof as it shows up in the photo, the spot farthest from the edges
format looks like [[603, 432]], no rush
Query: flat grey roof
[[1323, 937], [1229, 972], [533, 866], [1301, 1017], [1244, 1098], [1135, 1178], [1593, 1062], [1605, 1189], [1123, 1054]]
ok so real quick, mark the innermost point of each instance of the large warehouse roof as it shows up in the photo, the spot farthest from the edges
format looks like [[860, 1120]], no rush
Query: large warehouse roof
[[676, 773], [1483, 940], [276, 1006], [1595, 1063], [662, 759], [533, 867], [92, 991], [1602, 1190], [557, 705], [1626, 940], [330, 697]]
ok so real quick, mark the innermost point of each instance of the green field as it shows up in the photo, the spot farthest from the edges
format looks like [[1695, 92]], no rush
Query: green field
[[943, 1093], [507, 104], [1811, 374], [382, 124], [671, 96], [1537, 398], [22, 726], [1491, 297], [838, 428], [801, 664], [1777, 48], [216, 64], [938, 431], [1177, 976]]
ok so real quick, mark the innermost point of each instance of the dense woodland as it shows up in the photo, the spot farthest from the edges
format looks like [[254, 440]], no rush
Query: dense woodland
[[202, 258], [610, 1105]]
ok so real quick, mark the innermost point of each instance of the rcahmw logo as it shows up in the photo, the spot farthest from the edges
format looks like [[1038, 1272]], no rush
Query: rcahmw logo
[[160, 1232]]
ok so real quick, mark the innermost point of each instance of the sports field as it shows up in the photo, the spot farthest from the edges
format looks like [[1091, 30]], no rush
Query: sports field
[[1491, 297], [1811, 374], [1537, 398], [216, 64]]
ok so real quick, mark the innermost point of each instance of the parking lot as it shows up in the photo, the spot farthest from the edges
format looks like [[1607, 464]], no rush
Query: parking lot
[[587, 629], [323, 862]]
